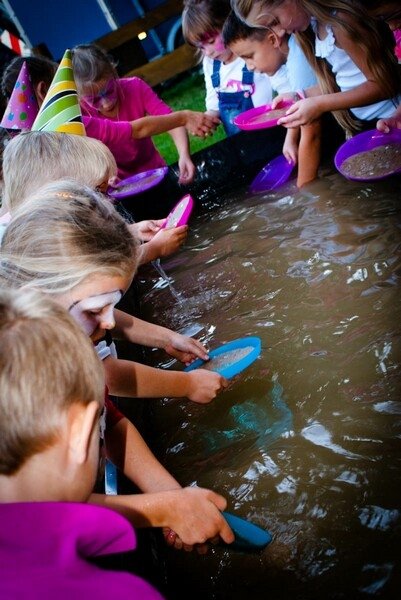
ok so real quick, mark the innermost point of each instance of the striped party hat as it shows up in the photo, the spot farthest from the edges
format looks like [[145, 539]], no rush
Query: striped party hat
[[22, 107], [60, 110]]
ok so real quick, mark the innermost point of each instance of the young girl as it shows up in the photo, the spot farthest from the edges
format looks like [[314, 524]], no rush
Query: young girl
[[352, 55], [91, 163], [41, 71], [110, 107], [230, 87], [85, 259]]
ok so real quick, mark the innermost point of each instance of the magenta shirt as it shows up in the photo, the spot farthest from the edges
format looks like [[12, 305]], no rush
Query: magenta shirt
[[137, 100], [46, 547]]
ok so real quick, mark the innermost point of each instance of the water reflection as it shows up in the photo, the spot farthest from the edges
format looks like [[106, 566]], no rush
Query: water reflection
[[306, 442]]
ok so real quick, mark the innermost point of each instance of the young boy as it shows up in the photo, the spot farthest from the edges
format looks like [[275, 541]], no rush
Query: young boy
[[52, 389], [280, 57]]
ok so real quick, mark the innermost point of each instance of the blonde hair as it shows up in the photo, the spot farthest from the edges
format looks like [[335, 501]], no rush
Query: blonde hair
[[46, 364], [373, 37], [63, 235], [35, 158]]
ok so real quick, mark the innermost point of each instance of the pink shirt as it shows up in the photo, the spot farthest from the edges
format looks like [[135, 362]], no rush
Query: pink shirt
[[46, 550], [136, 100]]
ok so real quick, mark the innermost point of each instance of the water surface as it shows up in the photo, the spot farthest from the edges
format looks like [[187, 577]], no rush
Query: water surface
[[306, 442]]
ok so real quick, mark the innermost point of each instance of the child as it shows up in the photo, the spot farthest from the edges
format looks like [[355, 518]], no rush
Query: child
[[52, 390], [280, 57], [41, 71], [112, 106], [230, 87], [351, 54], [90, 162], [85, 260]]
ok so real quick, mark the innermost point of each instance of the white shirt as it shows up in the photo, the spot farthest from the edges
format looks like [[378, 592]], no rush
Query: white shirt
[[349, 76], [231, 81]]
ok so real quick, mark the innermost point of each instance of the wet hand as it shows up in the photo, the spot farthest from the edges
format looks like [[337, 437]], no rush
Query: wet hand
[[200, 124], [204, 385], [187, 170], [146, 230], [168, 241], [385, 125], [185, 348]]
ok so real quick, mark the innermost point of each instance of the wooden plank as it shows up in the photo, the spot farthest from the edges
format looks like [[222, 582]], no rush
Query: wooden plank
[[183, 58], [152, 18]]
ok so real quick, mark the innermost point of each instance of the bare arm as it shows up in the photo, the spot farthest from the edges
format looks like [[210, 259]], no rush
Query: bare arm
[[193, 513], [127, 378], [127, 449], [197, 123], [137, 331], [186, 166], [309, 153]]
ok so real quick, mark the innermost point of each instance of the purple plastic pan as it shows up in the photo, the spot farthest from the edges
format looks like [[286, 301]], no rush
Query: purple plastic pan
[[274, 174], [258, 118], [136, 184], [363, 142]]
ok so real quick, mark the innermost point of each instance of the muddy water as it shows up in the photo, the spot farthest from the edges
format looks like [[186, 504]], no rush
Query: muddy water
[[306, 442]]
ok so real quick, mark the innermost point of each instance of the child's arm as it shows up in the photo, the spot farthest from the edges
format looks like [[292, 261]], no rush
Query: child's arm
[[290, 147], [137, 331], [127, 378], [185, 164], [192, 513], [178, 509], [197, 123], [309, 153], [369, 92], [164, 243]]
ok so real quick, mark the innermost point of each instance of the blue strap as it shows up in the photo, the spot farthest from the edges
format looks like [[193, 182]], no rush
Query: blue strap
[[216, 74], [247, 76]]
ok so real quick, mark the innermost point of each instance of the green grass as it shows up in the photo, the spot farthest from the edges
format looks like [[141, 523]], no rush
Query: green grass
[[188, 93]]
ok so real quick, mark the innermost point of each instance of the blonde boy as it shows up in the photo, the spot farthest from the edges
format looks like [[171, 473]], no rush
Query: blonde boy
[[52, 388]]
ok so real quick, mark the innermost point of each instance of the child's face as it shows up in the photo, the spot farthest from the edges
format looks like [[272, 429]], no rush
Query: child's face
[[92, 303], [213, 47], [260, 55], [102, 95], [288, 15]]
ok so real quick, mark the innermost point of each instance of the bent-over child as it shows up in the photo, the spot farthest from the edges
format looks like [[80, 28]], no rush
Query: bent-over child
[[52, 390]]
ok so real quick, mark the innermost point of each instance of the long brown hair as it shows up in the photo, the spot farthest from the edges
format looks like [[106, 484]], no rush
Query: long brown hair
[[373, 37]]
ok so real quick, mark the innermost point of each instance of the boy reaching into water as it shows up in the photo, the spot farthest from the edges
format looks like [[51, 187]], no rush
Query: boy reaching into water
[[278, 55], [52, 390]]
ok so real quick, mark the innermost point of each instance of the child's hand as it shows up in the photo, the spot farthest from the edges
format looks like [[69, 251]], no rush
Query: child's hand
[[200, 124], [388, 123], [185, 348], [204, 385], [168, 241], [290, 147], [146, 230], [194, 516], [187, 170], [301, 113], [286, 96]]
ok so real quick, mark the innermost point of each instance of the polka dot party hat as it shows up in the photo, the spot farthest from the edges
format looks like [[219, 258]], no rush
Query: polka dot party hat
[[22, 107], [60, 110]]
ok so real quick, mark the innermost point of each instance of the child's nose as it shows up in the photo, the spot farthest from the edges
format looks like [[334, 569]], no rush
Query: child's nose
[[106, 320]]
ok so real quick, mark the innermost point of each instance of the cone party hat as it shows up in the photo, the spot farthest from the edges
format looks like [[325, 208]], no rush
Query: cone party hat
[[60, 110], [22, 107]]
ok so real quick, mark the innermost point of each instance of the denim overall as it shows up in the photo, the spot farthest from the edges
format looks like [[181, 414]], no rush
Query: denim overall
[[234, 103]]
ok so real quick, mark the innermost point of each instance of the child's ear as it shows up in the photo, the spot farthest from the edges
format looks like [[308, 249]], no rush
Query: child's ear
[[83, 423], [41, 91], [276, 37]]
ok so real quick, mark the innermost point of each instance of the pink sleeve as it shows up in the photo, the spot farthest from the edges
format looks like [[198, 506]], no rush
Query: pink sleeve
[[151, 103], [113, 134]]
